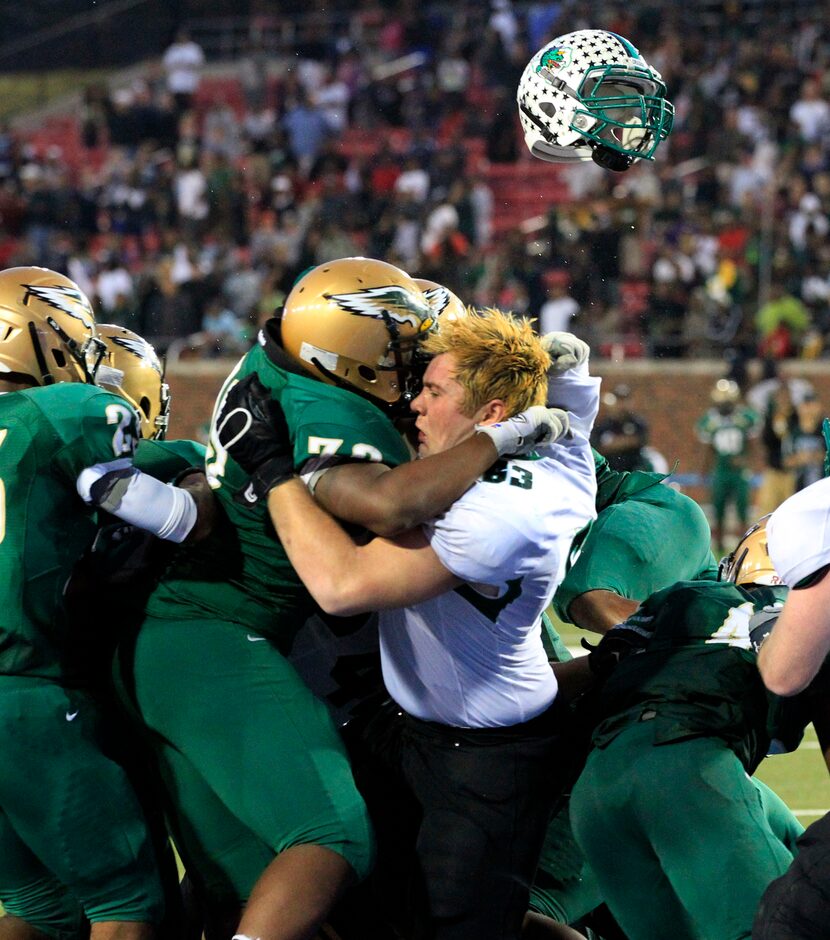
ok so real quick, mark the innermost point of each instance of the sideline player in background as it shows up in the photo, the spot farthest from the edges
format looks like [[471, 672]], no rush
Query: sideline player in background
[[475, 729], [66, 451], [285, 830], [728, 429]]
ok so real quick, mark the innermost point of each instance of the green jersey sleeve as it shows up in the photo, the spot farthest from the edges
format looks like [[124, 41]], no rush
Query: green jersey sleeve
[[92, 425], [165, 460]]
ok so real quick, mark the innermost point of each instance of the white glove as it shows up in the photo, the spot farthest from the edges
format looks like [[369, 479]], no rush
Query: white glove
[[565, 350], [527, 430]]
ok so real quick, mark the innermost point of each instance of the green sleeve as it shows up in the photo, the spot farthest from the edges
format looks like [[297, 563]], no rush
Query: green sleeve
[[165, 460], [94, 426]]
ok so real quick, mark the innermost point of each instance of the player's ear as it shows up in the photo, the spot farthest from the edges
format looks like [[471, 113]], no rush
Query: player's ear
[[492, 412]]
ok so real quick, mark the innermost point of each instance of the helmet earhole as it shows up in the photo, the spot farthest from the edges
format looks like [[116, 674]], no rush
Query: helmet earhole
[[367, 374], [145, 406], [60, 359]]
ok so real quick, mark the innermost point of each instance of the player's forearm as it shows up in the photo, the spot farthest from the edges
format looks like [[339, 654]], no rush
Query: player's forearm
[[573, 677], [321, 552], [124, 491], [397, 500], [792, 654]]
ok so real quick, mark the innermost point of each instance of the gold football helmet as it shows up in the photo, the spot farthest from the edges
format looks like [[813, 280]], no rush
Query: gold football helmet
[[442, 300], [749, 561], [47, 328], [356, 322], [133, 370]]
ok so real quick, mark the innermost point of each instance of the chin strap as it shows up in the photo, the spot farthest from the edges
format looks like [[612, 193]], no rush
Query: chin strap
[[610, 159]]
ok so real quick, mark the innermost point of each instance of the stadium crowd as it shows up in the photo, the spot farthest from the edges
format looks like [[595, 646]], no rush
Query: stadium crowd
[[316, 653], [193, 213]]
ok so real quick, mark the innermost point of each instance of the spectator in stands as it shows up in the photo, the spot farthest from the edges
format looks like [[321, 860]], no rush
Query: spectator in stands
[[183, 61], [114, 289], [559, 308], [781, 322], [307, 128], [223, 332], [811, 112]]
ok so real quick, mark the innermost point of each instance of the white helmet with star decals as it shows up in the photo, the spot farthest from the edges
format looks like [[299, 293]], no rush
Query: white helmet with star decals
[[590, 95]]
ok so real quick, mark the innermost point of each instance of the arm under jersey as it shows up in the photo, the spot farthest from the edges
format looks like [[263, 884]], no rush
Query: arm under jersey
[[122, 490]]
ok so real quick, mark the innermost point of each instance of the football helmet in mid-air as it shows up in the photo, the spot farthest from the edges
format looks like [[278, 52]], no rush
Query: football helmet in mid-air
[[442, 300], [749, 561], [47, 329], [356, 322], [134, 371], [590, 95]]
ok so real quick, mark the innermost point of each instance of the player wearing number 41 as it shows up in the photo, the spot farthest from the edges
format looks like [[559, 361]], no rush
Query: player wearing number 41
[[796, 906], [681, 840], [265, 811], [461, 598], [72, 836]]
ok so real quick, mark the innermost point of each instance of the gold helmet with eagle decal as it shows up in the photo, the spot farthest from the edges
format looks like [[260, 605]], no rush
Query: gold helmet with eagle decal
[[47, 329], [134, 371], [442, 300], [356, 322], [749, 562]]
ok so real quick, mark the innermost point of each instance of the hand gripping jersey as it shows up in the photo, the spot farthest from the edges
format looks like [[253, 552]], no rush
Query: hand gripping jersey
[[241, 573], [48, 436], [697, 675]]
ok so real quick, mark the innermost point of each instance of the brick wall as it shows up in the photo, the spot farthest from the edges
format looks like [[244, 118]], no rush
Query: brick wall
[[671, 396]]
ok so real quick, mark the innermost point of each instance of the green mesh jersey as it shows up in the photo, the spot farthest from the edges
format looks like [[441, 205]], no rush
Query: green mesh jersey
[[47, 437], [241, 573], [697, 675], [728, 434]]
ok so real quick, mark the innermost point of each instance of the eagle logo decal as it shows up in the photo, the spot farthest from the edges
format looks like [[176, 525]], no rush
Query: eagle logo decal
[[141, 349], [66, 299], [438, 298], [385, 303]]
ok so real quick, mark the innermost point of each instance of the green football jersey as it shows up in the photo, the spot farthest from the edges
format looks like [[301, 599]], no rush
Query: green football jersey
[[613, 486], [47, 437], [728, 434], [241, 573], [697, 675]]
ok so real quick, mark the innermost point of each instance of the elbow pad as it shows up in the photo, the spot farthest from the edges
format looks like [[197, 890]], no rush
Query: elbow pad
[[124, 491]]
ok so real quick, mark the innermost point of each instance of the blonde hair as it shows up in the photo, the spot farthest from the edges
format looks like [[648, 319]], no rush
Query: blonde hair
[[497, 355]]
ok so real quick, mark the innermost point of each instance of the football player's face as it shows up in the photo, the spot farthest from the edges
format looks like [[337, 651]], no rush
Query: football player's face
[[440, 422]]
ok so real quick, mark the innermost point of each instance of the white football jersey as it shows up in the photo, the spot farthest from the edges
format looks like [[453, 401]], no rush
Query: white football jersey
[[473, 657], [798, 533]]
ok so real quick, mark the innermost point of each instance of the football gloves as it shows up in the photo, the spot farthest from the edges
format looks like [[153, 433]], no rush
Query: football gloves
[[618, 643], [565, 350], [251, 427], [527, 430]]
